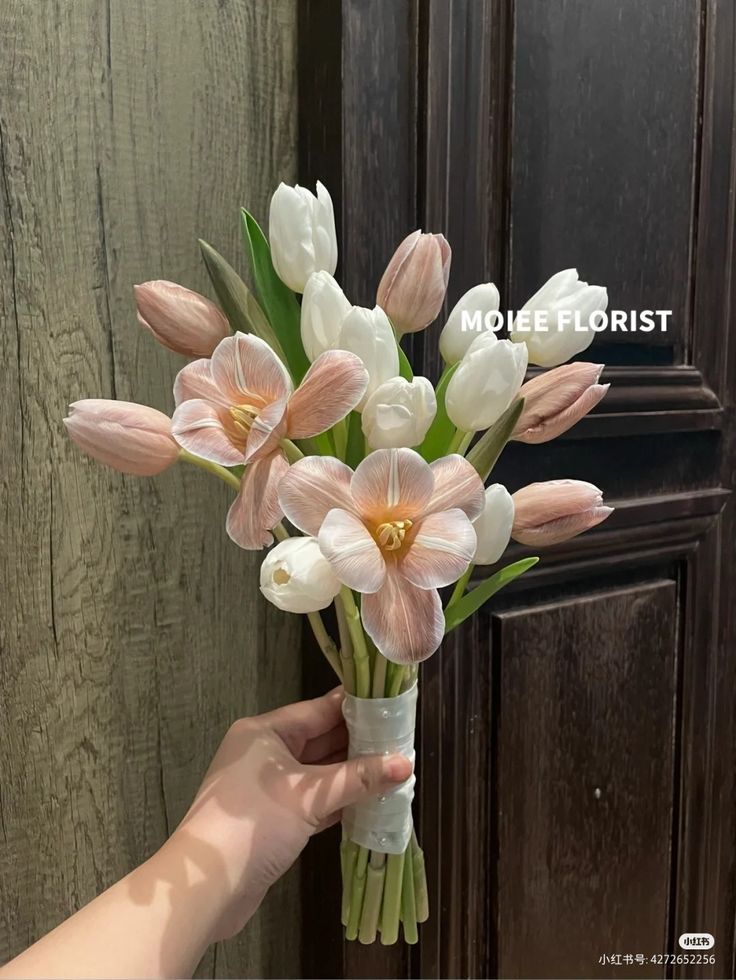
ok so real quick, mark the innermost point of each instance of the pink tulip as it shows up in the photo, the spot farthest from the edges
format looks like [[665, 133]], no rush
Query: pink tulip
[[551, 512], [180, 319], [412, 289], [396, 530], [556, 400], [130, 438], [237, 407]]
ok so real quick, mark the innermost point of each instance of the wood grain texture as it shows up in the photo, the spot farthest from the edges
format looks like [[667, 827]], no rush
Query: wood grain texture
[[132, 631], [584, 774]]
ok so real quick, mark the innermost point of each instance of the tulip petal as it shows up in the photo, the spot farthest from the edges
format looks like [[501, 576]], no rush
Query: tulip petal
[[392, 484], [561, 529], [269, 427], [542, 430], [441, 548], [256, 508], [195, 381], [246, 370], [198, 427], [354, 555], [456, 484], [311, 489], [406, 623], [333, 385], [539, 503]]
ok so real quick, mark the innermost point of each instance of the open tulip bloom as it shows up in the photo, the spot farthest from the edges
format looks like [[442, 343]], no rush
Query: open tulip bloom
[[371, 479]]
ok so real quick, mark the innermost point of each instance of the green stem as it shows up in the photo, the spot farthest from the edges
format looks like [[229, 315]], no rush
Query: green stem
[[465, 442], [421, 897], [357, 893], [348, 855], [204, 464], [326, 644], [461, 585], [280, 532], [394, 680], [373, 898], [392, 899], [379, 676], [292, 452], [408, 904], [456, 441], [360, 649]]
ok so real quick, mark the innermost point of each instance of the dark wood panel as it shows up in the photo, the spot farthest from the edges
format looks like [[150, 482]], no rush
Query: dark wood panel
[[586, 696], [605, 120]]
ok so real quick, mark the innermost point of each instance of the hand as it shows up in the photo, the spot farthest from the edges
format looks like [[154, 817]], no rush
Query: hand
[[276, 779]]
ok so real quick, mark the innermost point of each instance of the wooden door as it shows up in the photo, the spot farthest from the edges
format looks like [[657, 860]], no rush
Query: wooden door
[[577, 795]]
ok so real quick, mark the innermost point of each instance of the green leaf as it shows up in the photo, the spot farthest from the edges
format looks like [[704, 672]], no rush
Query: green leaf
[[279, 301], [488, 448], [238, 303], [442, 429], [457, 612], [405, 368], [355, 450]]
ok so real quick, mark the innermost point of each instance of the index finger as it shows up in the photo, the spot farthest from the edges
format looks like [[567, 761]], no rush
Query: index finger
[[298, 723]]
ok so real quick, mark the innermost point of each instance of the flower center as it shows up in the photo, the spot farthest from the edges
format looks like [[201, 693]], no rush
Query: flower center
[[243, 416], [391, 534], [281, 577]]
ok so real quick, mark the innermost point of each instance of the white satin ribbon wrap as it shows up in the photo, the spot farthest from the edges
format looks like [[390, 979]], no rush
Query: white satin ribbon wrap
[[382, 726]]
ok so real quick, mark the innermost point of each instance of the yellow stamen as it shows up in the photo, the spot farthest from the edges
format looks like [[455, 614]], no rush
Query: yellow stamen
[[391, 534], [243, 416]]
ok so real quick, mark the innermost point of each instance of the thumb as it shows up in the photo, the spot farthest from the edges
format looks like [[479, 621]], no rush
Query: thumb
[[356, 781]]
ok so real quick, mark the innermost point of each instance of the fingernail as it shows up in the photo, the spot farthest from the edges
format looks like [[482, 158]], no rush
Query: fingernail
[[397, 768]]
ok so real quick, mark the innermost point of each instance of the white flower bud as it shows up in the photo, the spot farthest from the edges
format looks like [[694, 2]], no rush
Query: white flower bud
[[476, 303], [296, 577], [399, 413], [553, 337], [485, 382], [369, 334], [301, 231], [324, 307], [493, 525]]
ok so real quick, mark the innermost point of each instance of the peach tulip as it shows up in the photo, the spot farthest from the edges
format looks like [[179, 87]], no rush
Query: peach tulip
[[396, 530], [130, 438], [556, 400], [180, 319], [412, 289], [551, 512], [236, 408]]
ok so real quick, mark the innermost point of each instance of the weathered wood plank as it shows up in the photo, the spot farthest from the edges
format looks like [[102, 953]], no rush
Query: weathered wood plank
[[132, 632]]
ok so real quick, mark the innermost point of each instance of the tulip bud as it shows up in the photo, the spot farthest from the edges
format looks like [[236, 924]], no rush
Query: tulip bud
[[297, 578], [485, 382], [130, 438], [324, 307], [477, 303], [558, 337], [493, 525], [556, 400], [368, 334], [399, 413], [180, 319], [412, 289], [551, 512], [301, 230]]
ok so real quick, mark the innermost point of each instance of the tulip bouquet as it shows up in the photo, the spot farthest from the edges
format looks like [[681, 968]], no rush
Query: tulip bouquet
[[371, 479]]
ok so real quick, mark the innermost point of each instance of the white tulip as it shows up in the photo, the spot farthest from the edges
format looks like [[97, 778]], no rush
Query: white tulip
[[561, 303], [296, 577], [493, 525], [485, 382], [477, 303], [324, 307], [399, 413], [369, 334], [301, 231]]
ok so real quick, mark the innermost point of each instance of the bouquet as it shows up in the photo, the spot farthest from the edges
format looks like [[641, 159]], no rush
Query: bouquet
[[371, 479]]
